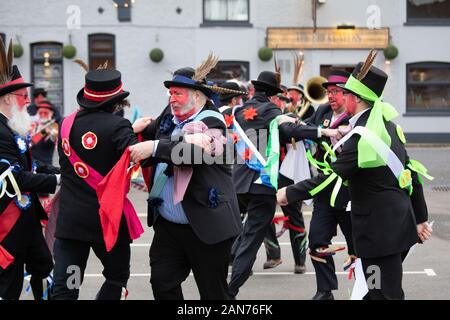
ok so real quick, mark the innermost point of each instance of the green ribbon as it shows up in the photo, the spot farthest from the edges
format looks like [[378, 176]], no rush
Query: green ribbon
[[418, 167], [325, 167], [367, 157], [323, 185], [322, 166], [273, 153]]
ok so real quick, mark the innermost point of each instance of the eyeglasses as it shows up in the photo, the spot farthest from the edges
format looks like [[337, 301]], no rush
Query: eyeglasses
[[335, 91], [25, 96]]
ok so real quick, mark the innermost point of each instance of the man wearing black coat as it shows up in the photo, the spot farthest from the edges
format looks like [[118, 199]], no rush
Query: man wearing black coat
[[21, 238], [258, 200], [386, 220], [326, 218], [99, 138], [194, 225]]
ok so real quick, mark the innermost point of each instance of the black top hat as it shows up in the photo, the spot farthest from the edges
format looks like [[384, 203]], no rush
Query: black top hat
[[46, 105], [183, 78], [16, 83], [102, 87], [375, 79], [230, 95], [336, 77], [267, 82], [38, 91]]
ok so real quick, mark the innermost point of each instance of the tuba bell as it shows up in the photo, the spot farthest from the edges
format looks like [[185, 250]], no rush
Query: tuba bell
[[314, 93]]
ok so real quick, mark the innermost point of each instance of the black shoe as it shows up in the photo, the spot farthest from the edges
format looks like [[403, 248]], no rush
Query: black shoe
[[323, 295]]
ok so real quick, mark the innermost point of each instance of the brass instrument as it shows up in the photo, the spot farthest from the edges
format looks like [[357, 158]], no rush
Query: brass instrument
[[314, 93]]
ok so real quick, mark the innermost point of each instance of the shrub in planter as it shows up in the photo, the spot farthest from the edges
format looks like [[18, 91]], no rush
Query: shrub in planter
[[156, 55]]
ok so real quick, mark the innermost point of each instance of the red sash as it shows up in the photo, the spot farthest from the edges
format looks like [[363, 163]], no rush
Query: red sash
[[111, 190], [8, 219]]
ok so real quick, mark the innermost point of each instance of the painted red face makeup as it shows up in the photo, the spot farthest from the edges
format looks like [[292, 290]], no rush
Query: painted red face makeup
[[22, 98], [335, 98], [350, 104], [294, 96], [180, 103]]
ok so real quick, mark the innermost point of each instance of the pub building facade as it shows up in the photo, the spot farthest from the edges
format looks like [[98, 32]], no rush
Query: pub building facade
[[330, 34]]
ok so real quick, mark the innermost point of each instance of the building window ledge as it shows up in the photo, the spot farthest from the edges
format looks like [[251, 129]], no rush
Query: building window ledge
[[233, 24]]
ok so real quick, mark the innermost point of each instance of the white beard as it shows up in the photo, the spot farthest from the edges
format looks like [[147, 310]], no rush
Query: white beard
[[20, 121]]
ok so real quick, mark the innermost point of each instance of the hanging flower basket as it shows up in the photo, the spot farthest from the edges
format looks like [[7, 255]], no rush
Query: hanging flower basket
[[18, 50], [390, 52], [265, 54], [156, 55], [69, 51]]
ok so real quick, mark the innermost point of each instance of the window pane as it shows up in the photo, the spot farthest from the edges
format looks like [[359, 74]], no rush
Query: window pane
[[436, 97], [215, 10], [226, 10], [429, 9], [238, 10], [102, 46], [424, 74]]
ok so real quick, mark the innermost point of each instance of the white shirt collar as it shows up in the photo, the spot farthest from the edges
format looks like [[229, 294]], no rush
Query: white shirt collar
[[355, 118]]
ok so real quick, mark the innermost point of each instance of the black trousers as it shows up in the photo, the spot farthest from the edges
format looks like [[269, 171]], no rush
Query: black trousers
[[175, 251], [37, 261], [70, 263], [323, 228], [294, 212], [260, 211], [384, 277]]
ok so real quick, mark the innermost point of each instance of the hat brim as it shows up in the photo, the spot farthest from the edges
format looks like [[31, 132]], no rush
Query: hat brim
[[296, 89], [267, 87], [201, 88], [89, 104], [342, 85], [14, 87]]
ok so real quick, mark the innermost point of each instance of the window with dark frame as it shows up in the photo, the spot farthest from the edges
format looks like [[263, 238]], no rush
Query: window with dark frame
[[102, 47], [428, 12], [428, 87], [47, 71], [226, 12], [227, 70], [123, 10]]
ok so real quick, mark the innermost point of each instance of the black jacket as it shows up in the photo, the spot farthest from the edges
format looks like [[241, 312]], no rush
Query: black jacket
[[322, 118], [28, 223], [384, 216], [257, 131], [78, 217], [211, 224]]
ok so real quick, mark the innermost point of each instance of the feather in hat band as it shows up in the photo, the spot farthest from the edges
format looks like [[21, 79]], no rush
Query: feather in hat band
[[101, 95]]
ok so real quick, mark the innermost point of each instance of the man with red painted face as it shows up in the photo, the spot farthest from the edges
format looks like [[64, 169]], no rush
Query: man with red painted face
[[195, 218], [325, 218], [388, 209], [44, 133], [21, 239]]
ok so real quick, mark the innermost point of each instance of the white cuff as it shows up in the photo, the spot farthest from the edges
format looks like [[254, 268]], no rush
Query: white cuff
[[155, 146]]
